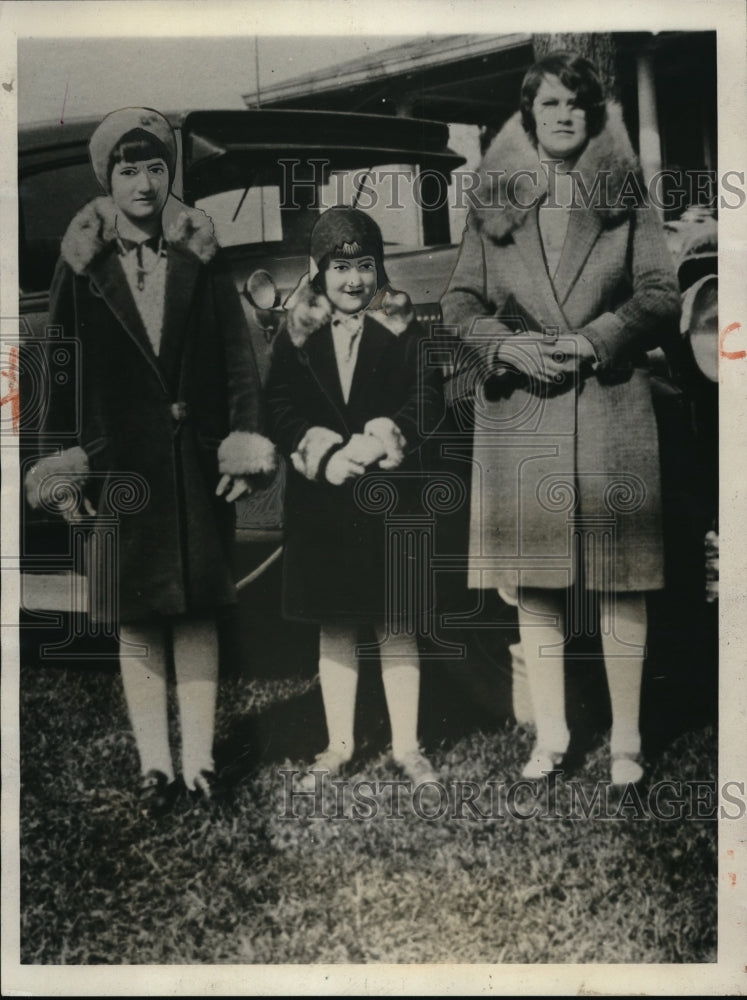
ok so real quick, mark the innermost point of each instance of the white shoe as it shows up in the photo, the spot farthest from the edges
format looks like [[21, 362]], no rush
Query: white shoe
[[416, 767], [541, 762], [626, 769], [329, 761]]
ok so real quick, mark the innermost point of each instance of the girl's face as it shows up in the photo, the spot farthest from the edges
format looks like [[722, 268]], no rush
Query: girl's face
[[350, 282], [560, 122], [140, 189]]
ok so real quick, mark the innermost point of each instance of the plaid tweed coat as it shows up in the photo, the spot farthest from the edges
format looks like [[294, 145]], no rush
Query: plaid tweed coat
[[567, 476]]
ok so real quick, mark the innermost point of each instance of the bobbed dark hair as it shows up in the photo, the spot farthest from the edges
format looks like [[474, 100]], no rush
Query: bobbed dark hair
[[577, 74], [138, 144]]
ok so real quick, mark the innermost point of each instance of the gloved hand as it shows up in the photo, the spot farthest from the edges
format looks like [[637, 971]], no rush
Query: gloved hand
[[341, 467], [364, 449], [233, 487]]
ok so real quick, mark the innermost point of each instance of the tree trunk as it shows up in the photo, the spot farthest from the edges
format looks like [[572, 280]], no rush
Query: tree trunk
[[600, 48]]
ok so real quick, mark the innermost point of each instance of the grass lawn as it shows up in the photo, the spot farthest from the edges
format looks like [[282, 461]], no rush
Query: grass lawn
[[264, 882]]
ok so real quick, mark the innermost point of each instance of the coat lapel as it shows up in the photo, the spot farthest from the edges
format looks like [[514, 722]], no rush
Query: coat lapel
[[584, 228], [109, 280], [182, 271], [319, 352], [537, 283]]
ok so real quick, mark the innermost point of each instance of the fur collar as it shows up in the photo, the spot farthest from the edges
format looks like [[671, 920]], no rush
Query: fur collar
[[308, 311], [501, 207], [93, 229]]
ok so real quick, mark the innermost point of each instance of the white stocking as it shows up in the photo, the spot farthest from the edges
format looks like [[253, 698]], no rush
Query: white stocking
[[400, 671], [542, 624], [623, 627], [196, 666], [144, 682], [338, 676]]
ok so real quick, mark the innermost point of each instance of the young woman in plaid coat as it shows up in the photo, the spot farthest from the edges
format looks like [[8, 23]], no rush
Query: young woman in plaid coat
[[562, 285]]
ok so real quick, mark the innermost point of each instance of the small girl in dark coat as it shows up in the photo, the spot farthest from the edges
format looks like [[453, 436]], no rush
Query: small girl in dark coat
[[347, 401], [166, 405]]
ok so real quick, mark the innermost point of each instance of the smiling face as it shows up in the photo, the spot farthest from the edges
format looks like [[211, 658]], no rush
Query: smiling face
[[561, 125], [350, 282], [140, 189]]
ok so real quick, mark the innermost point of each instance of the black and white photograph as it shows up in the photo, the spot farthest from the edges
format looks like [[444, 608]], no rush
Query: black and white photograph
[[372, 401]]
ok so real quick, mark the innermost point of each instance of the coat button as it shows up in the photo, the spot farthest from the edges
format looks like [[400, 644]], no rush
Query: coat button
[[179, 411]]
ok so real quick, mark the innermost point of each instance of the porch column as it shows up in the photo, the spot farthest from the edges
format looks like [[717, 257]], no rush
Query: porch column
[[648, 119]]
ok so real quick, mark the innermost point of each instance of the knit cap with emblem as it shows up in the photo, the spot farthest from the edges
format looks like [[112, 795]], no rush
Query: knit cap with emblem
[[346, 232]]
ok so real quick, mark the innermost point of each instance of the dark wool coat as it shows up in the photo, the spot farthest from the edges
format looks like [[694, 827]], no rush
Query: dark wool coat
[[335, 560], [166, 420], [580, 460]]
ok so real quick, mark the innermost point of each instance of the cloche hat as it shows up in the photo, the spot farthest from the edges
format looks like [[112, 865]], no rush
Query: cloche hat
[[116, 125]]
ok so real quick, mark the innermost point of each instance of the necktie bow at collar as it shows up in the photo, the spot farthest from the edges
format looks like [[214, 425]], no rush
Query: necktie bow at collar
[[351, 323], [156, 244], [128, 245]]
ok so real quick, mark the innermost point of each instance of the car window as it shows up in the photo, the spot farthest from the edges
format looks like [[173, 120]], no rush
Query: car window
[[245, 216], [48, 200], [270, 213], [258, 215], [388, 193]]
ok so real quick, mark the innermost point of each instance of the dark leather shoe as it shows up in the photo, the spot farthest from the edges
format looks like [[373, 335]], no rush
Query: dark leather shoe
[[157, 794], [207, 791]]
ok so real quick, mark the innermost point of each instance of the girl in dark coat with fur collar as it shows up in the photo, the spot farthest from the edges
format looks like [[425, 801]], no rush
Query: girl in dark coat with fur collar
[[164, 415], [562, 284], [348, 402]]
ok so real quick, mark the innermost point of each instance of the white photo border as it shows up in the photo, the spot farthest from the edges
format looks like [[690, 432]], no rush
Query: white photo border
[[404, 17]]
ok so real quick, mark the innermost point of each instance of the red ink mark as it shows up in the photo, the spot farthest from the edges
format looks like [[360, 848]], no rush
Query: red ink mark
[[730, 853], [64, 102], [732, 878], [731, 355], [12, 396]]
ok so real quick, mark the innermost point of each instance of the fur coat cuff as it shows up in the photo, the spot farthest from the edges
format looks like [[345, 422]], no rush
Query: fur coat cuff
[[312, 449], [390, 437], [57, 481], [244, 453]]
